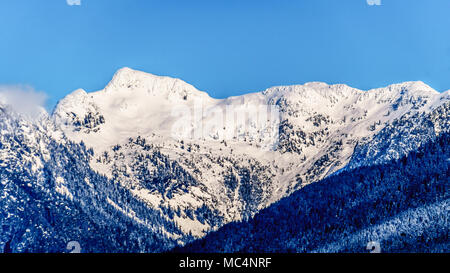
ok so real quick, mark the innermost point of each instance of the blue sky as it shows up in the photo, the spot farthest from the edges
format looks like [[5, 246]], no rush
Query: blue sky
[[224, 47]]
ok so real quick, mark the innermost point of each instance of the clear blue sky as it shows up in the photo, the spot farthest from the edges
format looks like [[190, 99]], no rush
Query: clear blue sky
[[224, 47]]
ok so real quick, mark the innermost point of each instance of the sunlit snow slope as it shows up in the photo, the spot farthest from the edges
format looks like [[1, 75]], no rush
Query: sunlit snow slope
[[201, 183]]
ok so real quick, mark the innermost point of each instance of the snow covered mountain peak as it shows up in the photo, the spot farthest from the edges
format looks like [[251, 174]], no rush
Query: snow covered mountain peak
[[417, 88], [129, 80], [201, 183], [137, 103]]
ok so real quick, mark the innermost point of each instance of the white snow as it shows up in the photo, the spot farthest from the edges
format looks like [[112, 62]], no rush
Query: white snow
[[136, 104]]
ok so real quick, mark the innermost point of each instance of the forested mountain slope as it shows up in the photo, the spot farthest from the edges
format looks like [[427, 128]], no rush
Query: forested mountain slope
[[109, 169], [49, 196], [403, 205]]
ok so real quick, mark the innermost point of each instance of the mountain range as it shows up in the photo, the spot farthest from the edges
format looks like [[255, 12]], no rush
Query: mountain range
[[150, 163]]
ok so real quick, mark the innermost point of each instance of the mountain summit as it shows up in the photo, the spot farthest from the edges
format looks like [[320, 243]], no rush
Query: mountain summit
[[155, 162], [319, 127]]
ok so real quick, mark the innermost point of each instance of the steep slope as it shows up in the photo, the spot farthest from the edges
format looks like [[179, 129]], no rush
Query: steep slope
[[150, 162], [403, 135], [402, 205], [174, 148], [49, 196]]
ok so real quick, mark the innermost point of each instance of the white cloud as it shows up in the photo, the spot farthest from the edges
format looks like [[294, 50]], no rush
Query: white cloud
[[73, 2], [23, 99]]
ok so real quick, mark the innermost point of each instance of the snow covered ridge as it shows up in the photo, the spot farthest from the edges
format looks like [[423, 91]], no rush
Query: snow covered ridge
[[204, 162], [143, 104], [159, 155]]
